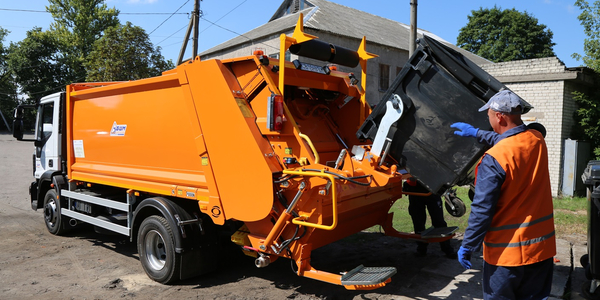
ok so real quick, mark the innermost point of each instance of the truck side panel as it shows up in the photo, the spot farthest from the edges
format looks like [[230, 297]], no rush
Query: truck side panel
[[134, 135]]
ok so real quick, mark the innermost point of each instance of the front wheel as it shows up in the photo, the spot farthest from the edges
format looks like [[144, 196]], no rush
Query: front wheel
[[55, 222], [156, 248]]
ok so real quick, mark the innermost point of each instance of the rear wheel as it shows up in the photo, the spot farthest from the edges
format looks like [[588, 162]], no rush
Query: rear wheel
[[55, 222], [156, 248]]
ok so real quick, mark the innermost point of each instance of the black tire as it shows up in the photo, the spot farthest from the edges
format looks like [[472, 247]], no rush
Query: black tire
[[459, 207], [156, 248], [55, 222], [585, 291], [471, 194], [584, 260]]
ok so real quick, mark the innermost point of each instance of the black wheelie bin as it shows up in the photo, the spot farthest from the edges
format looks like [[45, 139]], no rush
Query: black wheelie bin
[[591, 261], [438, 86]]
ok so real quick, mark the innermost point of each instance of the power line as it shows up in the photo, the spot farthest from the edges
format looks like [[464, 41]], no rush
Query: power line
[[239, 34], [168, 17], [182, 28], [224, 16], [121, 13]]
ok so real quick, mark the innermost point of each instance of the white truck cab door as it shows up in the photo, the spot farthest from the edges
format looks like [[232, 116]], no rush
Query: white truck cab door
[[48, 135]]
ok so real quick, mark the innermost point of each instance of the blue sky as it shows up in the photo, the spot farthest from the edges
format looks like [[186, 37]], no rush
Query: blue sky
[[442, 17]]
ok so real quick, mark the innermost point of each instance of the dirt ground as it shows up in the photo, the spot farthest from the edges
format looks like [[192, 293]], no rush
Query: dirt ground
[[85, 265]]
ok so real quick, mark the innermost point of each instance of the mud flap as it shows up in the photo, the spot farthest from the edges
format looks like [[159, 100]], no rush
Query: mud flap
[[33, 192]]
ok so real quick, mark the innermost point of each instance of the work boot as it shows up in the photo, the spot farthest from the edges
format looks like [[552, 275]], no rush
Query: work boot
[[448, 249], [421, 249]]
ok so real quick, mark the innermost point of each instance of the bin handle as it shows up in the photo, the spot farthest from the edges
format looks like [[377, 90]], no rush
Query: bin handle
[[422, 59], [331, 178]]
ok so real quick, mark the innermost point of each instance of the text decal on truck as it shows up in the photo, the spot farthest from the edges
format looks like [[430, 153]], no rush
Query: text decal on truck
[[118, 130], [78, 148]]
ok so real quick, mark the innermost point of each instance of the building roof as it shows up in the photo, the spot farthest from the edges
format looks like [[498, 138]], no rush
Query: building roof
[[322, 15]]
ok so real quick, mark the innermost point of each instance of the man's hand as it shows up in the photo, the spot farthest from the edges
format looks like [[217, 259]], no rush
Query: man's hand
[[464, 257], [465, 129]]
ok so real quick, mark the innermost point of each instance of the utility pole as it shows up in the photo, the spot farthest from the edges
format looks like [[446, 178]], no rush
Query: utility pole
[[413, 28], [194, 24]]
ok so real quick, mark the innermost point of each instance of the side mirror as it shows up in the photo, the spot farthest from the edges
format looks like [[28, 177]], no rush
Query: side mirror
[[18, 123]]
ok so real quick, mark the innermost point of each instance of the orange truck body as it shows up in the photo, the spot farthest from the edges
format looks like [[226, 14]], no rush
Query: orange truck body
[[199, 132]]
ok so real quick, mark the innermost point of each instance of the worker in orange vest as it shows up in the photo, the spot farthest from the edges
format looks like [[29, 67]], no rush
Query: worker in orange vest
[[512, 212]]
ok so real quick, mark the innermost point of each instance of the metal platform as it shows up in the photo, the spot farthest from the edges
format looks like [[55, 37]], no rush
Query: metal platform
[[362, 275]]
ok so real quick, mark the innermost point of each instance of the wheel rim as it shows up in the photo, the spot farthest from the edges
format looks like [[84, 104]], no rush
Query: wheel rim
[[50, 213], [154, 247]]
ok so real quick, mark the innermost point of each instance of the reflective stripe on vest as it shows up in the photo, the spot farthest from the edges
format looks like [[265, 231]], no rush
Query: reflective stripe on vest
[[522, 229]]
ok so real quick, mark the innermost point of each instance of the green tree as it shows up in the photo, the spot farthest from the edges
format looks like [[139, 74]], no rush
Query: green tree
[[77, 24], [590, 20], [37, 65], [505, 35], [8, 90], [587, 116], [125, 53]]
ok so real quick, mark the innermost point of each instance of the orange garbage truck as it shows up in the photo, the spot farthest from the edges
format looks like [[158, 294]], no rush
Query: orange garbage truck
[[265, 146]]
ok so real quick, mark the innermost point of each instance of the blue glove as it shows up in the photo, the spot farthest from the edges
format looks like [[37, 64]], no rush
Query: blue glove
[[464, 257], [466, 129]]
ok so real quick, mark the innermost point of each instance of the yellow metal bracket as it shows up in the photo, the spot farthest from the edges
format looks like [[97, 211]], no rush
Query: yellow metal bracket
[[363, 56], [286, 42], [298, 220]]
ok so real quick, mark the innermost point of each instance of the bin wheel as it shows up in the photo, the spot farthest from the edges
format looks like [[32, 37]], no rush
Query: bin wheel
[[55, 222], [584, 260], [585, 291], [459, 206], [156, 248]]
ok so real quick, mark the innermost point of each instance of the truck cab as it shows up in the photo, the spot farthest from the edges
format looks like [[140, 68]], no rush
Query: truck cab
[[47, 137]]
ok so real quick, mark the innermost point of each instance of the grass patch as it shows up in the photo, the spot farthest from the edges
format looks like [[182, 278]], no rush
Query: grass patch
[[402, 221], [570, 215]]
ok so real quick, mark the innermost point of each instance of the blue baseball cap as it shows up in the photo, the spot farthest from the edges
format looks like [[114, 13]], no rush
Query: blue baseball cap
[[506, 101]]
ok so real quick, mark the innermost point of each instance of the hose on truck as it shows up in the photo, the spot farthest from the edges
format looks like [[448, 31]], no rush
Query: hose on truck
[[351, 179]]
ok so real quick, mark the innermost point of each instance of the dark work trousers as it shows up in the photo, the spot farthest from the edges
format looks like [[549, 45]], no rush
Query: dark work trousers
[[532, 282], [417, 209]]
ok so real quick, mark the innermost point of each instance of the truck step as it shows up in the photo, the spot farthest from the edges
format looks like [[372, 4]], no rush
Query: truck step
[[439, 232], [362, 275]]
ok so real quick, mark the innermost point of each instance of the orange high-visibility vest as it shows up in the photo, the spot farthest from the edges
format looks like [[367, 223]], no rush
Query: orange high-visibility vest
[[522, 229]]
